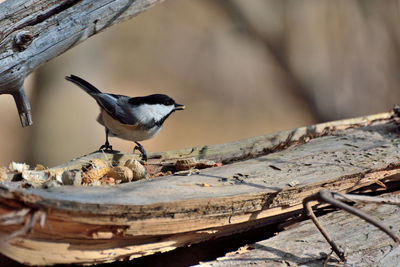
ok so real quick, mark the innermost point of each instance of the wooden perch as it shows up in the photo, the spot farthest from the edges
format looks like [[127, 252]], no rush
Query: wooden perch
[[263, 180], [34, 32]]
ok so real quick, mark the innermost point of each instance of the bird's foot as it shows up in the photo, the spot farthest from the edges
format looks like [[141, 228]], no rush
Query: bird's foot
[[106, 147], [141, 150]]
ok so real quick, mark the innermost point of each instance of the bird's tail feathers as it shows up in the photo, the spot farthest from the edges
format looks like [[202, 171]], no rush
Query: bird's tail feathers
[[89, 88]]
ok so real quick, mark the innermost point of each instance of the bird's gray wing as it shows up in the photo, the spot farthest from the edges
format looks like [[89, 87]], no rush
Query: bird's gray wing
[[110, 103]]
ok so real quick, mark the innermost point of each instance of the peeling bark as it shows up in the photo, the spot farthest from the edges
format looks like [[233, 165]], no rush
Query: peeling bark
[[75, 224]]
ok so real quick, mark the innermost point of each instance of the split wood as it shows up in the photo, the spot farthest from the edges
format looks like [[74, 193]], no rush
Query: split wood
[[336, 200]]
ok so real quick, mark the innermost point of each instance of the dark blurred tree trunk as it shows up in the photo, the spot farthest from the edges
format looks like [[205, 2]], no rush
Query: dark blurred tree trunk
[[341, 58]]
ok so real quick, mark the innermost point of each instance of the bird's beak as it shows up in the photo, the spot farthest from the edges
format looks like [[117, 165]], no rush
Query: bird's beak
[[179, 107]]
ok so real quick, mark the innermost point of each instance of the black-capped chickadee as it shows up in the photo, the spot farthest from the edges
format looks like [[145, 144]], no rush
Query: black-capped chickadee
[[130, 118]]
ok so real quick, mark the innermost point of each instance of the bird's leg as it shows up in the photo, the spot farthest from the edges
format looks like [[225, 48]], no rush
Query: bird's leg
[[141, 150], [106, 146]]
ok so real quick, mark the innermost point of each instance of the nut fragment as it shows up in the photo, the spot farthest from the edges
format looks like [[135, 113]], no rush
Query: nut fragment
[[71, 178], [123, 173], [192, 163], [203, 164], [185, 164], [94, 171], [138, 170], [18, 167], [40, 167], [35, 177], [3, 174], [109, 180], [158, 174], [94, 164]]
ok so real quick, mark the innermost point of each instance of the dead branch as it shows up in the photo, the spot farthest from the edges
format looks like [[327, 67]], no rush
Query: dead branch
[[33, 32]]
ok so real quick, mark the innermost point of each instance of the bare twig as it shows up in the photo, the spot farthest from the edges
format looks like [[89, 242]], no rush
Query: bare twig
[[329, 197], [310, 213], [368, 199]]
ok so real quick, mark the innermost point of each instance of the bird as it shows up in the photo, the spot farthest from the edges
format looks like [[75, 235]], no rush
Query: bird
[[130, 118]]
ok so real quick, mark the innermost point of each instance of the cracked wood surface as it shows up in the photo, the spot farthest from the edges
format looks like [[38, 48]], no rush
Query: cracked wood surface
[[302, 244], [54, 27], [101, 224], [33, 32]]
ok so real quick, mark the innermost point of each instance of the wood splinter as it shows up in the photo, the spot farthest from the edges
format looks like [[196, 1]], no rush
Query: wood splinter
[[329, 197]]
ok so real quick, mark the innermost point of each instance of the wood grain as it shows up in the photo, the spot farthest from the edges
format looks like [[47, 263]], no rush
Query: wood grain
[[33, 32], [101, 224], [364, 244]]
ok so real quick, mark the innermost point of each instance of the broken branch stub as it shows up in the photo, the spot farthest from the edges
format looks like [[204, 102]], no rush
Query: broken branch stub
[[35, 32]]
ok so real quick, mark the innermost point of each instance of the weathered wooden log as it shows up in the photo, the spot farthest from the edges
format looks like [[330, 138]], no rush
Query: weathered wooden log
[[365, 245], [263, 180], [33, 32]]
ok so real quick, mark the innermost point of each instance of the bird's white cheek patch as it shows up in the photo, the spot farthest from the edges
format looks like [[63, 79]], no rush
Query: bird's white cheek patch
[[146, 112]]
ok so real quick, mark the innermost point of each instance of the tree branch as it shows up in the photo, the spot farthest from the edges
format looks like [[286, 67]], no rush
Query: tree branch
[[33, 32]]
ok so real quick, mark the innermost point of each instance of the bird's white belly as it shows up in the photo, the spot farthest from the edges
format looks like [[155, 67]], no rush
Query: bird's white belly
[[125, 131]]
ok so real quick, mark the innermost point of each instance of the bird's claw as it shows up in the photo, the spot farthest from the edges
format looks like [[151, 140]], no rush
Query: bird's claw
[[106, 147], [141, 150]]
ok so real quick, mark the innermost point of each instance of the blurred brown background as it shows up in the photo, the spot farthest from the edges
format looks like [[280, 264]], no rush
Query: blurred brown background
[[242, 68]]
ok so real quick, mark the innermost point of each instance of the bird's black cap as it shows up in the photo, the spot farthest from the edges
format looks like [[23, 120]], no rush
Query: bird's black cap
[[152, 100]]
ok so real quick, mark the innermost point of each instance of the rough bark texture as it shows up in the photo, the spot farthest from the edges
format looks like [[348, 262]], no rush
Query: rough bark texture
[[33, 32], [70, 224], [364, 244]]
